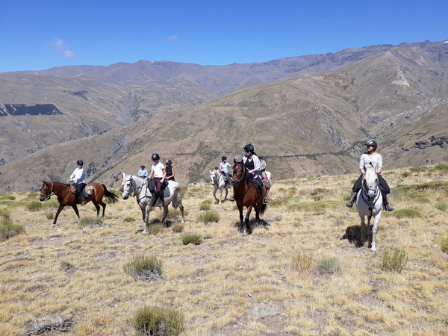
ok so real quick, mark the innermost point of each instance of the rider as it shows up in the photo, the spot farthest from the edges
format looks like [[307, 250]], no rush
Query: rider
[[170, 173], [79, 178], [159, 173], [252, 163], [143, 173], [371, 157], [263, 168], [224, 168]]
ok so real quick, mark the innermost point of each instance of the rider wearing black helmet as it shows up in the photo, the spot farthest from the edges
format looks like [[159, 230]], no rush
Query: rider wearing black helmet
[[371, 157], [252, 163], [79, 178], [159, 174], [170, 173], [224, 168]]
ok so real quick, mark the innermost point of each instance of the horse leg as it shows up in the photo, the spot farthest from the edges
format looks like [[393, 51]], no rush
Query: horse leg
[[57, 214], [165, 213], [363, 229], [376, 221], [220, 196], [227, 191], [76, 210], [181, 207], [248, 228], [146, 217], [214, 193], [241, 229], [368, 232], [97, 208]]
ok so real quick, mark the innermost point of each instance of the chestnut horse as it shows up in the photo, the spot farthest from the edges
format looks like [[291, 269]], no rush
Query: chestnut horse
[[246, 194], [65, 197]]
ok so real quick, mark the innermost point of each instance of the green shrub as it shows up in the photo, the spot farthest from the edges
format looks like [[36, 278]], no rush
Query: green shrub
[[209, 216], [150, 320], [178, 228], [276, 203], [191, 238], [329, 265], [393, 260], [406, 213], [8, 229], [172, 213], [155, 229], [302, 261], [405, 174], [353, 181], [5, 213], [442, 206], [444, 245], [417, 169], [205, 205], [129, 219], [8, 197], [144, 268], [90, 221], [34, 206], [32, 194], [441, 166], [316, 206], [49, 215]]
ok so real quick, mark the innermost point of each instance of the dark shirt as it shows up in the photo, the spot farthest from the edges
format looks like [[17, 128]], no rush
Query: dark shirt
[[169, 172]]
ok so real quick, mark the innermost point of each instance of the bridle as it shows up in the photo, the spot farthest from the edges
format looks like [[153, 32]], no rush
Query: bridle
[[133, 188], [49, 191], [243, 175]]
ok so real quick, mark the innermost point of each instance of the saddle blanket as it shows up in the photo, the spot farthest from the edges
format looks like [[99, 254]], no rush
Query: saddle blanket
[[88, 190]]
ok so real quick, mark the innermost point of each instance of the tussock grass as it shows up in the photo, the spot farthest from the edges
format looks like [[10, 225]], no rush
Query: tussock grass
[[178, 228], [393, 260], [90, 221], [406, 174], [155, 229], [441, 166], [442, 206], [302, 261], [129, 219], [209, 217], [7, 197], [316, 206], [406, 213], [173, 213], [153, 320], [205, 205], [144, 268], [32, 194], [191, 238], [34, 206], [417, 169], [444, 245], [8, 229], [329, 265], [49, 215]]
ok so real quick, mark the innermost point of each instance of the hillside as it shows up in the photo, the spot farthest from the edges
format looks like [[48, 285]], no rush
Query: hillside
[[96, 99], [294, 275], [306, 125]]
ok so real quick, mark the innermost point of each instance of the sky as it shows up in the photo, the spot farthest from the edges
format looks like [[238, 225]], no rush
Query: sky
[[41, 34]]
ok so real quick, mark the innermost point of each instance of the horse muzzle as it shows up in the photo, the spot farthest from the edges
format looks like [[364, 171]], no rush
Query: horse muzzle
[[371, 194], [125, 196]]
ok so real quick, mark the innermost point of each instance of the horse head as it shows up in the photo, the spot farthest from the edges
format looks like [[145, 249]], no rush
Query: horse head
[[370, 183], [213, 177], [45, 191], [128, 186], [239, 172]]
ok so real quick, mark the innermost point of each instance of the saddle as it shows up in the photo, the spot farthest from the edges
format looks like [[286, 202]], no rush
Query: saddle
[[88, 190]]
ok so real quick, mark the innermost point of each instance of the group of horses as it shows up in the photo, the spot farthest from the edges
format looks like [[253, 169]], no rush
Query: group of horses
[[368, 202]]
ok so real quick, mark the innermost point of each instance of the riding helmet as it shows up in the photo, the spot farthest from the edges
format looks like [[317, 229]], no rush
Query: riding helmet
[[80, 162], [371, 142], [249, 148], [224, 158], [168, 161], [155, 156]]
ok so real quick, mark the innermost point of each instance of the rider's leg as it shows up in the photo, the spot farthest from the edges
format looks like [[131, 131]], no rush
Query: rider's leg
[[355, 189], [386, 195], [80, 190], [265, 195], [160, 192]]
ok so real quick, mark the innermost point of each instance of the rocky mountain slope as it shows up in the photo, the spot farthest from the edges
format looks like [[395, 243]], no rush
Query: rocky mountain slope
[[305, 125], [96, 99]]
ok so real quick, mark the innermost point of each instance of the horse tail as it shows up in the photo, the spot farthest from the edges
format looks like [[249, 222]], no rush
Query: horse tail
[[263, 208], [110, 195]]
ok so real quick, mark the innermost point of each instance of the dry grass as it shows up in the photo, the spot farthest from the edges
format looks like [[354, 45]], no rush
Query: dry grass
[[232, 285]]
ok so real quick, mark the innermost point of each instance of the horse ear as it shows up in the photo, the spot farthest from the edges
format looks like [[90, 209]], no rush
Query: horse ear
[[124, 175], [242, 161], [210, 172], [234, 161]]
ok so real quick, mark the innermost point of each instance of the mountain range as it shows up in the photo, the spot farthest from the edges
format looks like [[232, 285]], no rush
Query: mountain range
[[306, 115]]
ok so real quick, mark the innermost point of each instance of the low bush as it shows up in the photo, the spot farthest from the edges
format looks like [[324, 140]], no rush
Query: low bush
[[32, 194], [209, 216], [7, 197], [129, 219], [191, 238], [90, 221], [406, 213], [329, 265], [406, 174], [393, 260], [34, 206], [442, 206], [151, 320], [49, 215], [316, 206], [155, 229], [205, 205], [144, 268], [417, 169], [178, 228], [5, 213], [441, 166], [302, 261], [8, 229], [444, 245], [172, 213], [65, 265]]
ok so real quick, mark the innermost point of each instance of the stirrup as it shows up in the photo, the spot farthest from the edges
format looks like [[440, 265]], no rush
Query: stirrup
[[349, 204], [265, 200], [389, 208]]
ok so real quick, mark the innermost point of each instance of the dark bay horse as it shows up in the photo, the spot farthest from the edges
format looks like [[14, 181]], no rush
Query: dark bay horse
[[246, 195], [66, 197]]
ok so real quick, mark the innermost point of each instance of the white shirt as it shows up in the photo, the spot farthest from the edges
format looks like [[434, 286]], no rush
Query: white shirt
[[376, 160], [158, 169], [224, 166], [78, 175]]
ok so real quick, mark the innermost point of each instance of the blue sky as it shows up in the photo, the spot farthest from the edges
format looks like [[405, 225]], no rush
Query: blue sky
[[41, 34]]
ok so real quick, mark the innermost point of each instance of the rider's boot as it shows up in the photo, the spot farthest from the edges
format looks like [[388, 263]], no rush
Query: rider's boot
[[265, 195], [155, 200], [162, 201], [352, 199], [83, 199], [387, 206]]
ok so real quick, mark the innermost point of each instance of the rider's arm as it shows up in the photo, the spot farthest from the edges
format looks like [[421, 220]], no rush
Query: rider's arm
[[174, 173], [380, 164], [164, 175], [151, 174]]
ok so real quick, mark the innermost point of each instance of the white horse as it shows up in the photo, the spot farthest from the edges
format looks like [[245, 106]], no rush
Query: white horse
[[369, 202], [145, 198], [218, 182]]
